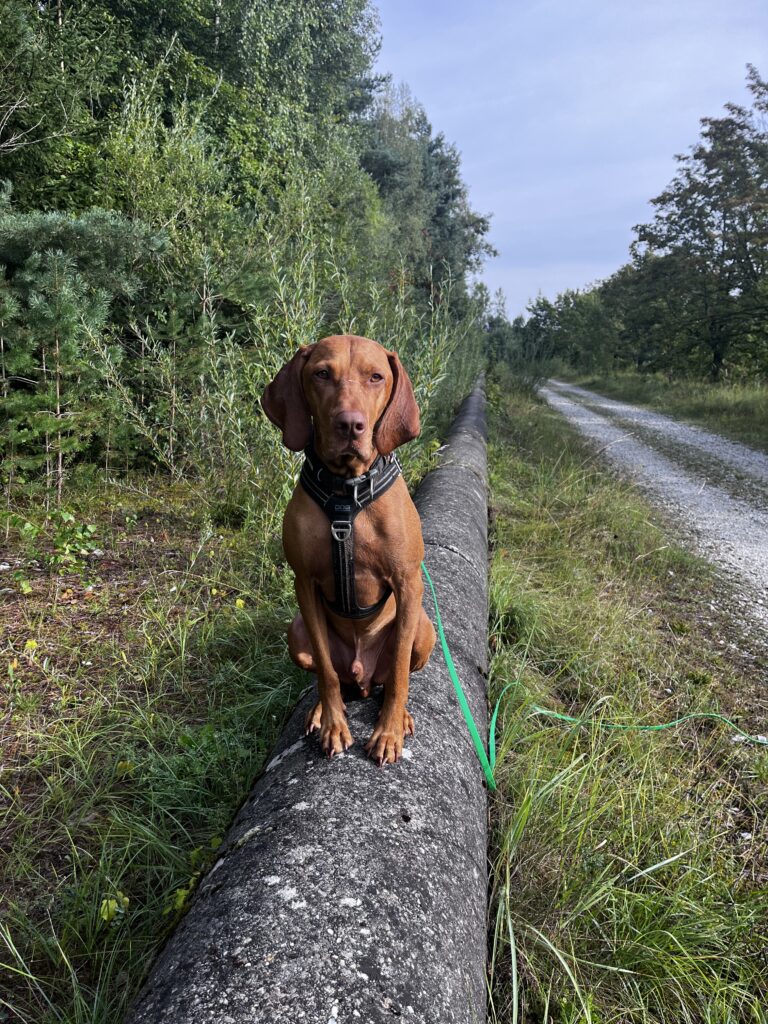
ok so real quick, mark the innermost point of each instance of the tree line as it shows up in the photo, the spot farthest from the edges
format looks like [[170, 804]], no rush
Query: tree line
[[189, 192], [693, 299]]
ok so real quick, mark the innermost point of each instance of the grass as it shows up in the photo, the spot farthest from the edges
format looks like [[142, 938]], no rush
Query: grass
[[144, 679], [739, 411], [629, 869]]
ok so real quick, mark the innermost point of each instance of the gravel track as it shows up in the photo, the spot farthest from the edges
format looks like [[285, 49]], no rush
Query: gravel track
[[716, 490]]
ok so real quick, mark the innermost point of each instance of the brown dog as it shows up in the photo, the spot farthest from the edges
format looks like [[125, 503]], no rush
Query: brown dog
[[349, 401]]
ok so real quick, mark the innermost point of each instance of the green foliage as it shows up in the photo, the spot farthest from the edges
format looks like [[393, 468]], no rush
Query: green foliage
[[49, 420], [216, 192], [72, 540], [157, 713], [61, 68], [62, 277], [61, 540], [418, 177], [169, 176]]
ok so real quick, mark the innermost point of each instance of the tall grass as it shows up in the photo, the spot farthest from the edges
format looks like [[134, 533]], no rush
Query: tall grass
[[213, 431], [126, 757], [628, 868], [738, 410]]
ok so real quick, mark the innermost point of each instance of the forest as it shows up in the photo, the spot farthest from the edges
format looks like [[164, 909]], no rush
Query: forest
[[189, 192], [692, 302]]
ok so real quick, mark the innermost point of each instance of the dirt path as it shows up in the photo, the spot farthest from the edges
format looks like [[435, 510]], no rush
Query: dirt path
[[715, 489]]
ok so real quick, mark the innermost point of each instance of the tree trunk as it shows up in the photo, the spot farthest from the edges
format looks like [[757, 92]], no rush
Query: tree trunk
[[60, 453], [60, 23]]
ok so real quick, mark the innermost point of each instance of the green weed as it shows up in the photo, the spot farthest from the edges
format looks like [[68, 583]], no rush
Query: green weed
[[738, 410]]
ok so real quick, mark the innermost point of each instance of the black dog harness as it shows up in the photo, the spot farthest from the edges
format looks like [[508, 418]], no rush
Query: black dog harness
[[341, 499]]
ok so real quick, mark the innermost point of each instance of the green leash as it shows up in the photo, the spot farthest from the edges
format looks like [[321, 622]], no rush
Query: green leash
[[488, 759]]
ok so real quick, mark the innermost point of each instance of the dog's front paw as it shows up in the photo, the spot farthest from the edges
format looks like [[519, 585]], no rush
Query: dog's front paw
[[335, 736], [386, 744]]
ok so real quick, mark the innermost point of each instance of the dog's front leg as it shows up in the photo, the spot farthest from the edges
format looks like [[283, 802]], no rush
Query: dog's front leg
[[335, 736], [394, 722]]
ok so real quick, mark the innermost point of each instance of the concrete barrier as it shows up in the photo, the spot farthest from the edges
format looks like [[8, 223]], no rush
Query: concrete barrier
[[345, 892]]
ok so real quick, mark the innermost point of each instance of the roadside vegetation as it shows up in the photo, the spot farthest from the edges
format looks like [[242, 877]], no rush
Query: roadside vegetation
[[738, 411], [629, 868]]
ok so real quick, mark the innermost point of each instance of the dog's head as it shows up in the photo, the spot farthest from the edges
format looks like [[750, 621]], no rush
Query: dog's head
[[348, 393]]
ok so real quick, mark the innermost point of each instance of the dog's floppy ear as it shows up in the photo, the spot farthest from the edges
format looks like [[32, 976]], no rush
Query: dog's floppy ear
[[400, 420], [285, 404]]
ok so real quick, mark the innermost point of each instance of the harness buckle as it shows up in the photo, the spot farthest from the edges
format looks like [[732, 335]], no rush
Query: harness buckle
[[341, 530]]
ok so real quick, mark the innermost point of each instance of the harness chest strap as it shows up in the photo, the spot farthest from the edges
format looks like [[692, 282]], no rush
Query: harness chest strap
[[342, 499]]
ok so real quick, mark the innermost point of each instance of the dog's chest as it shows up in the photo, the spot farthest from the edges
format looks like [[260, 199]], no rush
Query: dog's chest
[[372, 554], [386, 540]]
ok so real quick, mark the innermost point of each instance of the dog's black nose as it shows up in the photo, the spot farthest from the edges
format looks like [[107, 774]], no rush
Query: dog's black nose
[[350, 424]]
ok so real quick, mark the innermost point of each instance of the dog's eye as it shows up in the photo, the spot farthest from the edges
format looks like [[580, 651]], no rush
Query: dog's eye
[[376, 376], [322, 374]]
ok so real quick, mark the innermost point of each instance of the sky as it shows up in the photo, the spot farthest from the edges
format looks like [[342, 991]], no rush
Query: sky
[[568, 115]]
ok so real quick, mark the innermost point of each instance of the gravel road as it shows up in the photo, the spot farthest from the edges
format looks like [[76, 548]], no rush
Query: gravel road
[[714, 489]]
